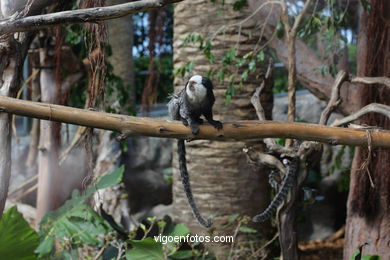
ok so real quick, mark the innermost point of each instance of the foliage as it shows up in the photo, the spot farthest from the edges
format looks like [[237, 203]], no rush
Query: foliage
[[17, 239], [328, 24], [147, 248], [164, 66], [239, 4], [163, 56], [115, 86], [76, 224], [233, 68], [366, 5], [357, 255]]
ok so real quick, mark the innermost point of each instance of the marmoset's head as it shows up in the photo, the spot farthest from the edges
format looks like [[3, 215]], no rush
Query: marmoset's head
[[197, 87]]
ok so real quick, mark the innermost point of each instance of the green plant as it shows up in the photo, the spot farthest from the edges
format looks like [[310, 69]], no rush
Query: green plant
[[76, 224], [17, 239], [357, 255]]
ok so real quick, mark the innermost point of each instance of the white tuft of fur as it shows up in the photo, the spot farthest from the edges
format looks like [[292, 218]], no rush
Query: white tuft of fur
[[199, 92]]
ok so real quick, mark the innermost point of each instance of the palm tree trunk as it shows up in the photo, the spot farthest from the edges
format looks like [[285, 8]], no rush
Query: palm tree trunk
[[222, 181]]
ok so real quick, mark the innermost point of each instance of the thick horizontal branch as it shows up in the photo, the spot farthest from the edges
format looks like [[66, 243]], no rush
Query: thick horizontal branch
[[37, 22], [240, 130]]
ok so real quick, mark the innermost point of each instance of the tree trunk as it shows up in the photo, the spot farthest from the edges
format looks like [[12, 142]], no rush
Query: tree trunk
[[35, 96], [222, 181], [368, 209], [11, 64], [120, 35], [49, 177], [13, 51]]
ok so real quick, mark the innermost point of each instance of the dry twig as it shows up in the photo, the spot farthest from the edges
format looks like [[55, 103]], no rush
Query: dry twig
[[371, 108], [334, 100], [372, 80]]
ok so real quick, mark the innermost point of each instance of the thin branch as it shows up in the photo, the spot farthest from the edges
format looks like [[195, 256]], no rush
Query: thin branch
[[265, 159], [25, 193], [255, 100], [255, 255], [366, 164], [240, 23], [372, 80], [37, 22], [23, 185], [284, 16], [371, 108], [299, 17], [291, 33], [334, 100]]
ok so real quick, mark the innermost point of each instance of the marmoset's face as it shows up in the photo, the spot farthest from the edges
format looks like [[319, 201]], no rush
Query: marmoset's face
[[195, 90]]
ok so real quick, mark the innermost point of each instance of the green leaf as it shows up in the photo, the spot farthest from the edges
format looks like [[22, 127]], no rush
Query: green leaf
[[75, 222], [221, 75], [252, 66], [260, 56], [45, 247], [366, 5], [371, 257], [229, 57], [17, 239], [239, 4], [147, 248], [178, 230], [244, 75], [233, 217], [110, 180], [241, 62], [280, 141], [355, 254], [228, 99], [280, 30], [247, 230]]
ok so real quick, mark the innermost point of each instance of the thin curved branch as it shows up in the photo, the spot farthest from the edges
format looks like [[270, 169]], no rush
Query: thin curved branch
[[299, 17], [371, 108], [372, 80], [265, 159], [334, 100]]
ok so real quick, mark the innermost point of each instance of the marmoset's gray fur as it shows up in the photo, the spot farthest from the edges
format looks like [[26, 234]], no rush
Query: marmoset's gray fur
[[288, 181], [195, 99]]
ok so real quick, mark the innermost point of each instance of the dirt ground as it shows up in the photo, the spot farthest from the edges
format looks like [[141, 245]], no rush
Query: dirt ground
[[330, 248]]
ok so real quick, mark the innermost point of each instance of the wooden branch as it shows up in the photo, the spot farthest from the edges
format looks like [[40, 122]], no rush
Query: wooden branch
[[299, 18], [37, 22], [371, 108], [265, 159], [255, 100], [334, 100], [240, 130], [372, 80]]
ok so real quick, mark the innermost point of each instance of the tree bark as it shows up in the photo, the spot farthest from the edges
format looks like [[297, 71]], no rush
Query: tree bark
[[368, 208], [35, 96], [244, 188], [49, 176], [11, 62], [13, 52], [235, 130], [120, 35], [37, 22]]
